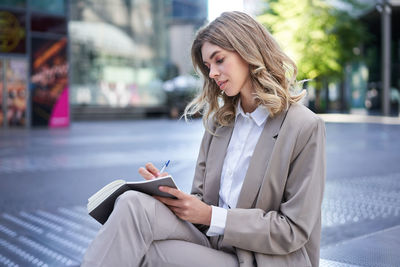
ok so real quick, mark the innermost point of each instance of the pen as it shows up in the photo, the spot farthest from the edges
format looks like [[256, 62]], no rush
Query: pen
[[165, 166]]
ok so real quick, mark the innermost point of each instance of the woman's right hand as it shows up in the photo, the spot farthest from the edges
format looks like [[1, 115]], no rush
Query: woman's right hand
[[150, 172]]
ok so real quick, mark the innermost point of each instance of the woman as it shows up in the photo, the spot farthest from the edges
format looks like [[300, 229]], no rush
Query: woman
[[259, 179]]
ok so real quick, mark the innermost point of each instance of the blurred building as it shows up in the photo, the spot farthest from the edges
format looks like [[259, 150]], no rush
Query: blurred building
[[186, 17], [372, 84], [123, 51], [96, 57], [34, 83], [381, 55]]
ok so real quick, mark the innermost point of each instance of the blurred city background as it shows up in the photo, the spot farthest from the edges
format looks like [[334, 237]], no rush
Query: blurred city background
[[90, 90]]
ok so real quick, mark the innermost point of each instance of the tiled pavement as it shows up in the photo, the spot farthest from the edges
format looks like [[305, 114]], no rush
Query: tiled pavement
[[60, 237], [45, 238], [361, 213]]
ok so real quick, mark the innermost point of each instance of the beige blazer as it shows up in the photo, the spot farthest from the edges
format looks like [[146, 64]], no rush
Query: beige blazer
[[277, 221]]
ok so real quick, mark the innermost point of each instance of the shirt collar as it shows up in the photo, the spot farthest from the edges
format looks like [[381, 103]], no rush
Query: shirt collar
[[259, 115]]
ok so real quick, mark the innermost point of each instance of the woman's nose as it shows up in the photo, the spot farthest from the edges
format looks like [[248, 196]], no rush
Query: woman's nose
[[213, 72]]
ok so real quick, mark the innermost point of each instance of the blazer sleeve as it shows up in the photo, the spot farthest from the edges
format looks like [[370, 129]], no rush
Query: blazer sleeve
[[289, 228]]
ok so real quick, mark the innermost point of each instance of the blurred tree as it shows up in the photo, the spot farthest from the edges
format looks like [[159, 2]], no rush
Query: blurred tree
[[320, 37]]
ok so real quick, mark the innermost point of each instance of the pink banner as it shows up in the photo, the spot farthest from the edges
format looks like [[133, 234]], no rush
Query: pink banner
[[60, 113]]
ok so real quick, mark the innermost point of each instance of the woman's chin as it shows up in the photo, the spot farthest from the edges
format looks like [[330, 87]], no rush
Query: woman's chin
[[229, 93]]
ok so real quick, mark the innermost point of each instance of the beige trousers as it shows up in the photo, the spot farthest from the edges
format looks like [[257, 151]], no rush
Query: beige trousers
[[141, 231]]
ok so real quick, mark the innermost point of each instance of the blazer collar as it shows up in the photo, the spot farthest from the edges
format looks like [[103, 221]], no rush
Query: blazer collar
[[259, 161], [259, 115], [215, 161]]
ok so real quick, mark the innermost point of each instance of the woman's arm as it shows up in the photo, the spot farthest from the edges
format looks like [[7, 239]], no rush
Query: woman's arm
[[289, 228]]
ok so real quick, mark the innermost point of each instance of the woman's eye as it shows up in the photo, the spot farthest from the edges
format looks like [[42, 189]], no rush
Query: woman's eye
[[219, 61]]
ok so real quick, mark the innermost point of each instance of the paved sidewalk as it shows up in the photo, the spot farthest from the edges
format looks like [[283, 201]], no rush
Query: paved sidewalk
[[47, 175], [357, 118]]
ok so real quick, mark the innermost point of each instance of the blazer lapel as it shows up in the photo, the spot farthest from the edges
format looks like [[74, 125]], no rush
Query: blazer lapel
[[215, 161], [259, 161]]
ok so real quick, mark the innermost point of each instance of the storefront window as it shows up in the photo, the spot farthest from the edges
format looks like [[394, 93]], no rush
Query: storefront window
[[118, 61], [16, 72]]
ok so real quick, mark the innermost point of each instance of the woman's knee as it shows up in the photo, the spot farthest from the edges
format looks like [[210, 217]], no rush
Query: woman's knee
[[130, 197], [134, 200]]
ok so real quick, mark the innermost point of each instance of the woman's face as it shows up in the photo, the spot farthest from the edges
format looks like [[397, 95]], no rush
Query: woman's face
[[228, 69]]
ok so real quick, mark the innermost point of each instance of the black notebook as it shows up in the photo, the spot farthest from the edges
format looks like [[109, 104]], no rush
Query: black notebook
[[101, 204]]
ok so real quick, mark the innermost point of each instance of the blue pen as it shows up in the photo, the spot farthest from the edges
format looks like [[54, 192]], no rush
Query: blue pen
[[165, 166]]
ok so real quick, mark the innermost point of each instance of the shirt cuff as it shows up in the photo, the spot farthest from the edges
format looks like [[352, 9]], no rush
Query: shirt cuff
[[218, 221]]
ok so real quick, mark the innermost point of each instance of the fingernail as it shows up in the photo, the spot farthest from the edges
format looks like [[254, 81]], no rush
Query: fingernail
[[161, 188], [158, 174]]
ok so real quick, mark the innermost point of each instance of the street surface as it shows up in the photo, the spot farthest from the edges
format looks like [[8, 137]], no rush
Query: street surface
[[47, 175]]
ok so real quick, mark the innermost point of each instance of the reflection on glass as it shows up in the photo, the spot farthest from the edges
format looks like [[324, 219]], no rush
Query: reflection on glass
[[1, 94], [118, 61], [16, 71], [50, 6]]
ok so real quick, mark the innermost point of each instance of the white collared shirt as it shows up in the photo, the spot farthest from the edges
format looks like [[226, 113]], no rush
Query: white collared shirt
[[246, 132]]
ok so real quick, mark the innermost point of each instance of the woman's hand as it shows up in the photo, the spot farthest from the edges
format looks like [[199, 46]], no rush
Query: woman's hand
[[150, 172], [186, 207]]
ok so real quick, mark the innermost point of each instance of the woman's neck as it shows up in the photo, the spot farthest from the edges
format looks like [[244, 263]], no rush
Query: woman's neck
[[248, 103]]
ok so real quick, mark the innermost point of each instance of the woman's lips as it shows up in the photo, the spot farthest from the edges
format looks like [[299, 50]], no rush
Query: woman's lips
[[222, 84]]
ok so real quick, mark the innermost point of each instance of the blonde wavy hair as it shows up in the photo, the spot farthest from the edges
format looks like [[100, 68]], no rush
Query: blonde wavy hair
[[272, 72]]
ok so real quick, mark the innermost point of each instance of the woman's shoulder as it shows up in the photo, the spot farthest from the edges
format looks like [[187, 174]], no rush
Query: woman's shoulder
[[301, 115]]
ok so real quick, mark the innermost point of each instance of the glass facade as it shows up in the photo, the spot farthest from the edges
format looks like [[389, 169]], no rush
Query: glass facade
[[103, 53], [190, 10], [33, 54], [118, 52]]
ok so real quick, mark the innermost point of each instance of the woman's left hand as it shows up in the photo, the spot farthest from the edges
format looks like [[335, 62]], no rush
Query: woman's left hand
[[186, 207]]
